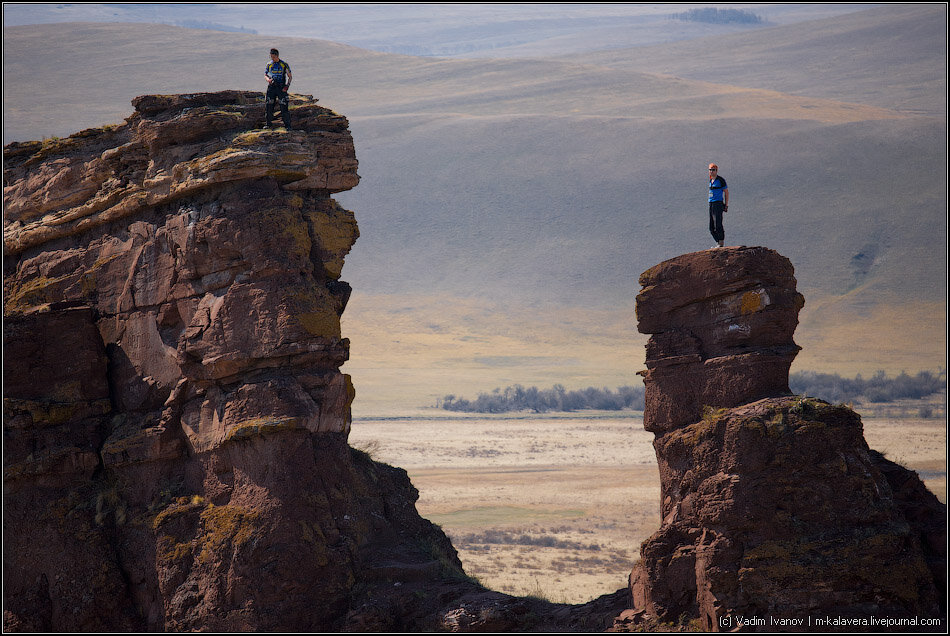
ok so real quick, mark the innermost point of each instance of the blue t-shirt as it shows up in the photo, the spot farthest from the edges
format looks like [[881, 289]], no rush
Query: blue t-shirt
[[277, 71], [716, 186]]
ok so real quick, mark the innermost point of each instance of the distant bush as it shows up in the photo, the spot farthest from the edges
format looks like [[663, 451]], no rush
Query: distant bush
[[504, 537], [878, 388], [830, 387], [557, 398], [212, 26], [719, 16]]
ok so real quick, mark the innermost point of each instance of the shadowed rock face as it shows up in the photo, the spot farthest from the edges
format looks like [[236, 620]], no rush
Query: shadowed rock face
[[772, 505]]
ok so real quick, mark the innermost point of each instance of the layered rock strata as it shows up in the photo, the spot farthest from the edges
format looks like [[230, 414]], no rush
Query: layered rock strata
[[175, 416], [772, 506], [721, 325]]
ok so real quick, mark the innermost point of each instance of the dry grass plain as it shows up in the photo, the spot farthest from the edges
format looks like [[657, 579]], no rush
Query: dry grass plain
[[557, 505]]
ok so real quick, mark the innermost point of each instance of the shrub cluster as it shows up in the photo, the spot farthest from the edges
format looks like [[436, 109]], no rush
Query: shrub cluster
[[878, 388], [504, 537], [557, 398], [713, 15], [830, 387]]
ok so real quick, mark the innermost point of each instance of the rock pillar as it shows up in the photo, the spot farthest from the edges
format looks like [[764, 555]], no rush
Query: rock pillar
[[721, 324], [774, 511]]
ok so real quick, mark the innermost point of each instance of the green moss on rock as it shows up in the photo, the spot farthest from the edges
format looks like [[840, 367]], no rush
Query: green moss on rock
[[225, 527]]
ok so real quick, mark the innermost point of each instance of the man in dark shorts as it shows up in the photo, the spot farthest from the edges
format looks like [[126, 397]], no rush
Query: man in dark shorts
[[718, 204], [278, 77]]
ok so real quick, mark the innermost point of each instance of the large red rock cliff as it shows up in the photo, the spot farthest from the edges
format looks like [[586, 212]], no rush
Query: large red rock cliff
[[175, 417], [773, 507]]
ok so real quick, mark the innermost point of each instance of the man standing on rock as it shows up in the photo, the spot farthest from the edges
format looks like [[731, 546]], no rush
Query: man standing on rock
[[718, 204], [278, 77]]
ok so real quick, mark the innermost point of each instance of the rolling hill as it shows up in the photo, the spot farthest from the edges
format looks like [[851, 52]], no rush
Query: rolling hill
[[508, 206], [892, 56]]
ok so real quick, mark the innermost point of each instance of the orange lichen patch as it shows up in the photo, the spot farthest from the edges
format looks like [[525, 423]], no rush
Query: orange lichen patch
[[315, 311], [322, 323], [168, 549], [752, 302], [52, 413], [334, 232], [179, 507]]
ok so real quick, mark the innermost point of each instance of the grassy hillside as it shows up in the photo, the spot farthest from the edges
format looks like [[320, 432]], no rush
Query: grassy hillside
[[492, 30], [508, 206], [893, 56]]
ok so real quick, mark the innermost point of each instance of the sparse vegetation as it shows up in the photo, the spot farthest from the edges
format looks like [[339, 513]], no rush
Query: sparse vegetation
[[211, 26], [557, 398], [367, 451]]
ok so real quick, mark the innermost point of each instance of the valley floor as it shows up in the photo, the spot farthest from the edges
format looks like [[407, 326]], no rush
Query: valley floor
[[557, 505]]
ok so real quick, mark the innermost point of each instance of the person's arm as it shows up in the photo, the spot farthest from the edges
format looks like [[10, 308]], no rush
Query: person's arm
[[290, 77], [725, 199]]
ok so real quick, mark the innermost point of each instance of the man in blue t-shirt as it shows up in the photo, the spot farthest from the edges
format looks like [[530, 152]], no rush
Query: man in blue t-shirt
[[718, 204], [278, 77]]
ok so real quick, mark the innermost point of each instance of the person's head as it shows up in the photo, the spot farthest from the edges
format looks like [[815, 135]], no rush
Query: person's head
[[713, 171], [274, 54]]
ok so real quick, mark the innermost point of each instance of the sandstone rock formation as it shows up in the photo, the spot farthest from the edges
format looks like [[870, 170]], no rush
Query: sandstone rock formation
[[772, 505], [175, 417]]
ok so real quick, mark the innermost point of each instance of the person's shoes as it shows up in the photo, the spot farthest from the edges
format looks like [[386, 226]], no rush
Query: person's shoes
[[266, 126]]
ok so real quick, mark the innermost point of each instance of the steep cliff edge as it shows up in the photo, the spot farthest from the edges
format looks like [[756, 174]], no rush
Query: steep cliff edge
[[773, 507], [175, 418]]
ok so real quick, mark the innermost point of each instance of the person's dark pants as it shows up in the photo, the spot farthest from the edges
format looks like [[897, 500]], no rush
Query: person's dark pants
[[277, 95], [715, 221]]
